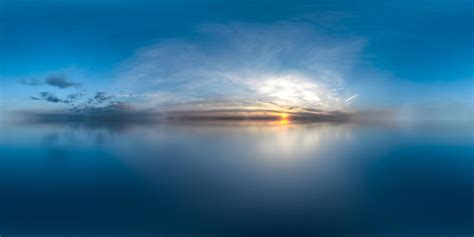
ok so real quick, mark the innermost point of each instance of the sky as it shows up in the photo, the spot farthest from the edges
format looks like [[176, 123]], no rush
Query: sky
[[278, 55]]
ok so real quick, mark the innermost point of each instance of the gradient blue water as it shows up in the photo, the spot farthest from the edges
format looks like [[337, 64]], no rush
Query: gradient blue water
[[224, 179]]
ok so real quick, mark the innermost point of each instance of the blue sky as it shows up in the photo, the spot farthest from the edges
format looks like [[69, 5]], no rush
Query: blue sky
[[374, 53]]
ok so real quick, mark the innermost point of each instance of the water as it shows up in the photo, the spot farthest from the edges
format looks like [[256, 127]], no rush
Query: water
[[236, 179]]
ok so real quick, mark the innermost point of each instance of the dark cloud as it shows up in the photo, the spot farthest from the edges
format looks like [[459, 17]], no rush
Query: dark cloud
[[73, 97], [60, 82], [102, 97], [48, 96], [31, 82], [113, 107], [91, 104]]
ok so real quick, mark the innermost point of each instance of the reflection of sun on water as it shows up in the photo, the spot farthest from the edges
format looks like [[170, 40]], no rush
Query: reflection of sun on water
[[284, 122], [284, 119], [289, 141]]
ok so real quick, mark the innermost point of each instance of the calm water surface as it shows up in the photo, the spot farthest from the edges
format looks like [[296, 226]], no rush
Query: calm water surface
[[227, 179]]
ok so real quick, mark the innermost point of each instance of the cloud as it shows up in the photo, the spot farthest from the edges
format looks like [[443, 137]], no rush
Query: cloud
[[93, 105], [101, 97], [48, 96], [30, 82], [60, 82], [76, 100], [112, 107], [287, 65], [351, 98], [100, 102], [74, 96]]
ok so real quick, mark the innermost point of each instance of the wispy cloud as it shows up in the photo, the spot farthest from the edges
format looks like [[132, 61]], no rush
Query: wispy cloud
[[351, 98], [31, 82], [284, 64], [287, 67], [59, 81]]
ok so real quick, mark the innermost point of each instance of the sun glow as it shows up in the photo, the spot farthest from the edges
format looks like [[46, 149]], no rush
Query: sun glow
[[284, 119], [284, 122], [299, 90]]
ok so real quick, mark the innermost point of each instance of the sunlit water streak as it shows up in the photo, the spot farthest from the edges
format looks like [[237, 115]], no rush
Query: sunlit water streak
[[277, 178]]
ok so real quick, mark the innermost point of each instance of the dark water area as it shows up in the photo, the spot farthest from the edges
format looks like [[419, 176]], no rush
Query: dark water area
[[236, 179]]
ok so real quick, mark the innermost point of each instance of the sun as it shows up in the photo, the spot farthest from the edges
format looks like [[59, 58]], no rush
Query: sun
[[284, 116]]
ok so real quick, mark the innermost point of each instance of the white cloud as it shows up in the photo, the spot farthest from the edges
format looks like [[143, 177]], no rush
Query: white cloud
[[283, 64]]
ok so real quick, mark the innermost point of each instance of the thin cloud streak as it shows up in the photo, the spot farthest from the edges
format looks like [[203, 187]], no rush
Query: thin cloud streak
[[58, 81], [31, 82]]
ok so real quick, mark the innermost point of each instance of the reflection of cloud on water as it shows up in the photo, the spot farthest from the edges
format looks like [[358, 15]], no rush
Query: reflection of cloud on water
[[268, 138], [230, 165], [60, 135], [50, 139], [234, 166]]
